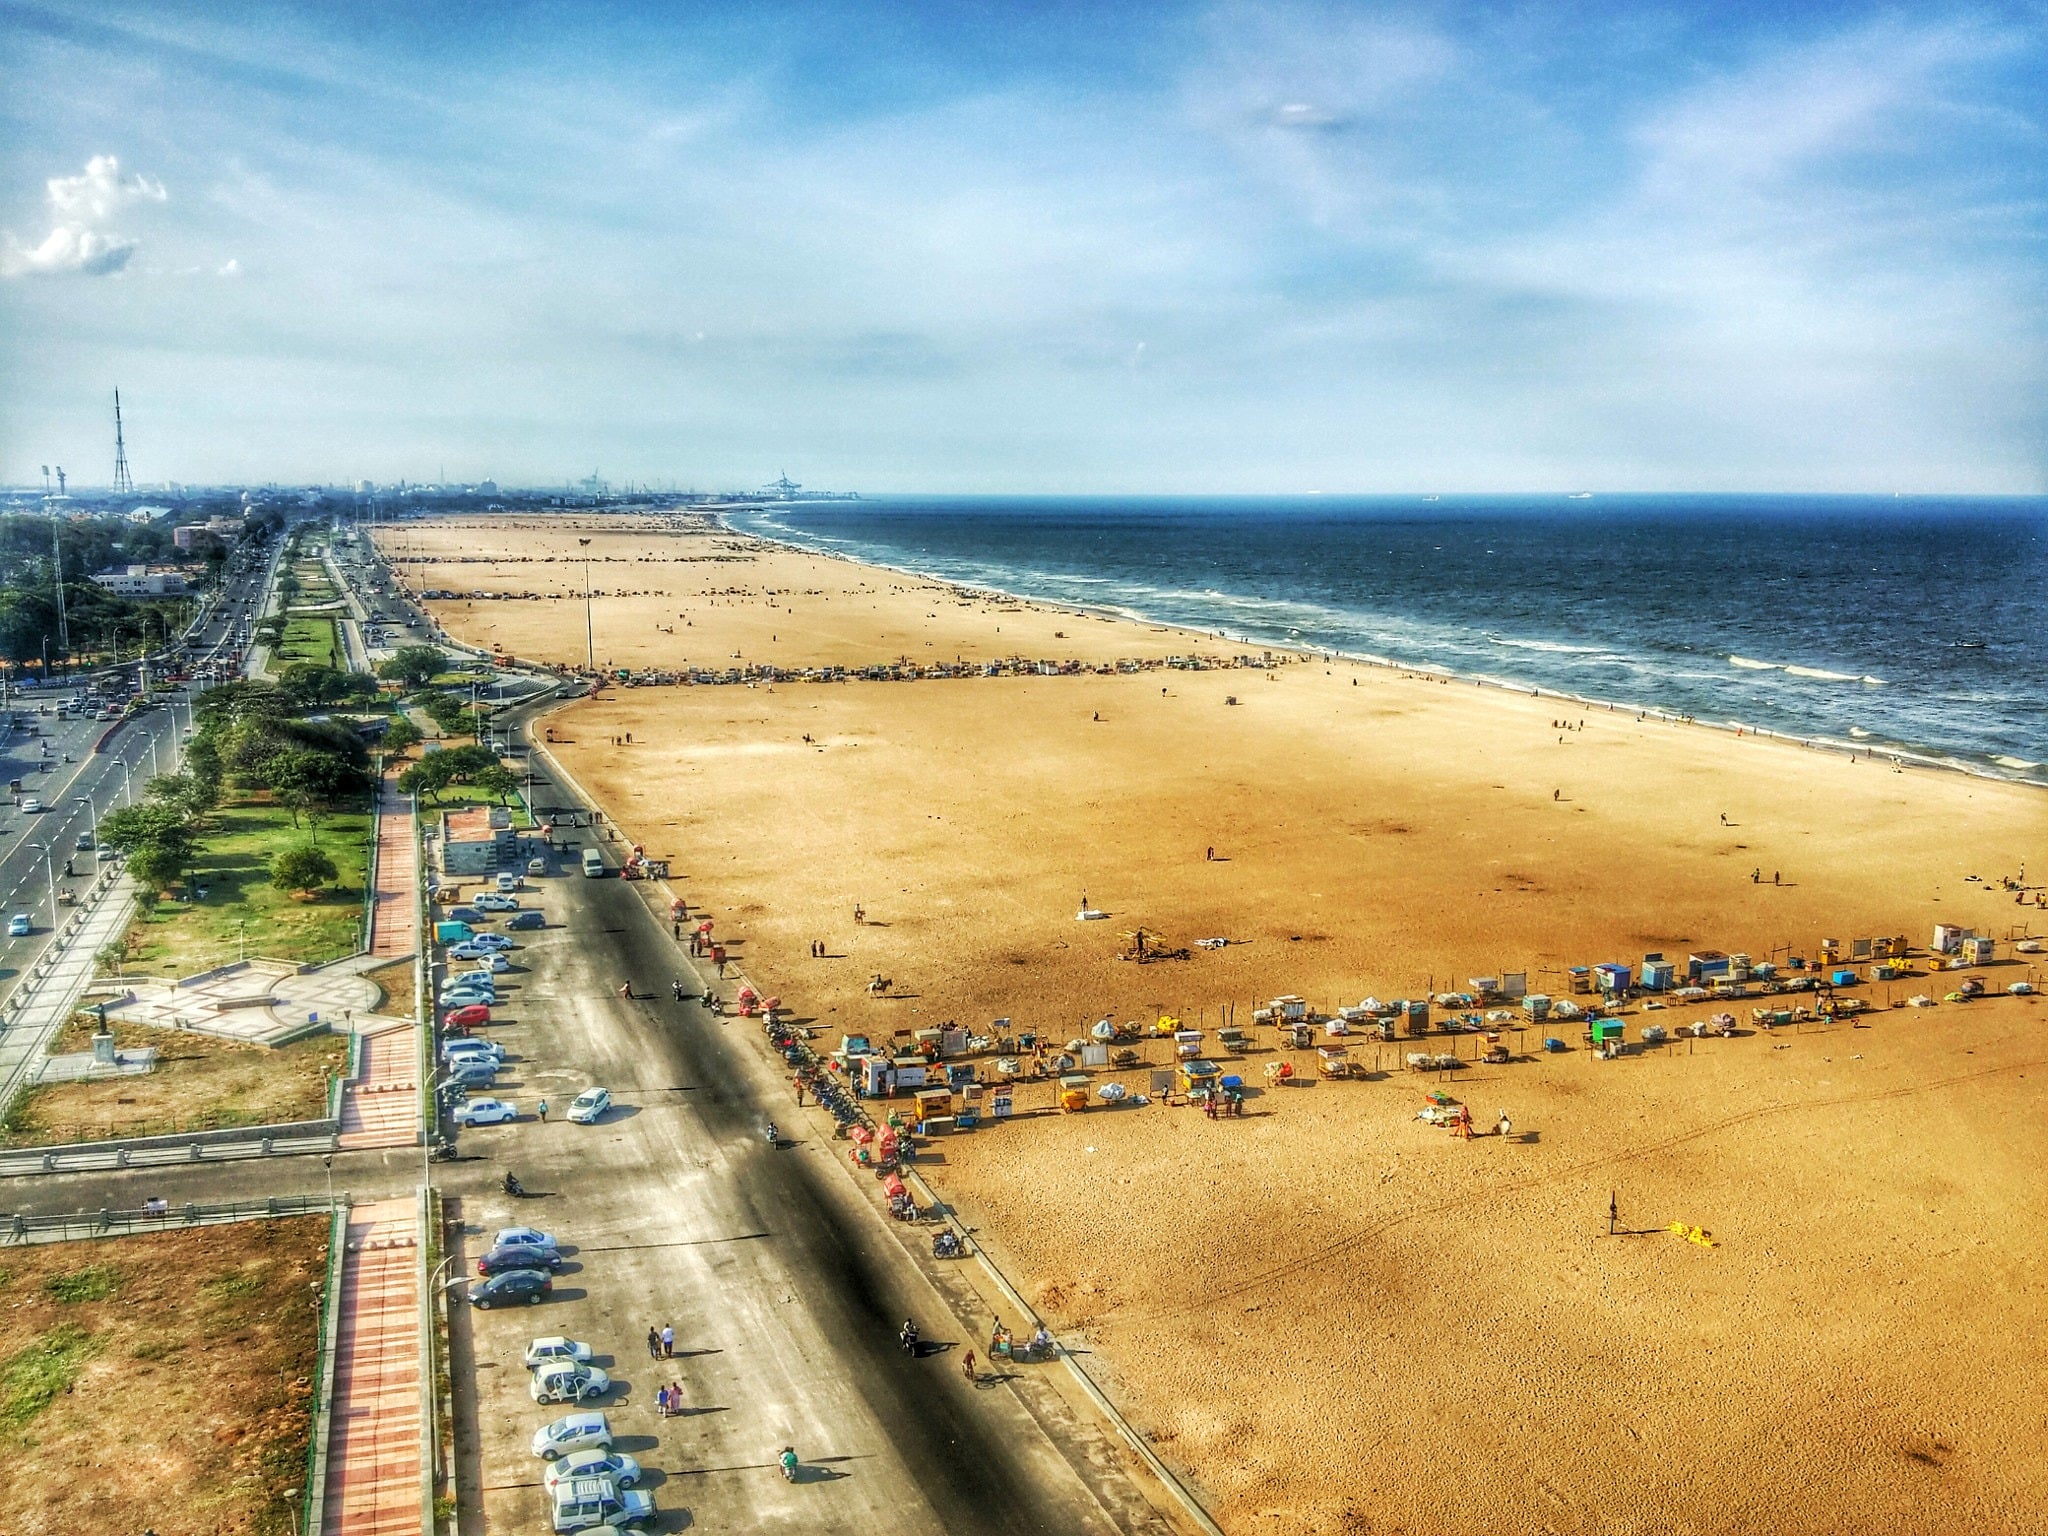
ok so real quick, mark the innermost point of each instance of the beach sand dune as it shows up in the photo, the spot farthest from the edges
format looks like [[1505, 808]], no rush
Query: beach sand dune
[[1333, 1317]]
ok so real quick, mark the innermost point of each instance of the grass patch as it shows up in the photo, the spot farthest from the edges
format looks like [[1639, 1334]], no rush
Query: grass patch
[[241, 909], [36, 1375], [308, 637], [178, 1405], [96, 1282], [200, 1084]]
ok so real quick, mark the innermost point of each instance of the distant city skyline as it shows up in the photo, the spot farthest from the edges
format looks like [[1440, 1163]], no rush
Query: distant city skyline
[[1112, 249]]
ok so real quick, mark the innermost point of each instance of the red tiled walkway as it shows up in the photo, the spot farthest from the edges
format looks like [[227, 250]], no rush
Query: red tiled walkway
[[373, 1468], [394, 915], [382, 1107]]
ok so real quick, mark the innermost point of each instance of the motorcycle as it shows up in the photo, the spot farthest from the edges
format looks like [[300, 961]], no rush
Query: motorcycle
[[947, 1245], [771, 1135], [444, 1151], [907, 1337], [514, 1188]]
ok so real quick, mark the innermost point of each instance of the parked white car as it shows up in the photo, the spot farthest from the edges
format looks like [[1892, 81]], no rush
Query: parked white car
[[524, 1237], [597, 1462], [590, 1106], [485, 1112], [556, 1350], [571, 1432], [566, 1382], [485, 944], [496, 901], [591, 1503]]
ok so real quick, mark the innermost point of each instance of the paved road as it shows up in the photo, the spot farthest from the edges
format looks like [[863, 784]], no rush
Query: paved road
[[781, 1280]]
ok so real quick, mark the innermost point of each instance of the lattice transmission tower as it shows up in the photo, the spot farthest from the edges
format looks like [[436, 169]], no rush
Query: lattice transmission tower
[[124, 483]]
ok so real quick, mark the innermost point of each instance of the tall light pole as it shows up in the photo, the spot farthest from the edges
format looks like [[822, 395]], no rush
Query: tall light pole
[[49, 877], [152, 756], [127, 784], [589, 634]]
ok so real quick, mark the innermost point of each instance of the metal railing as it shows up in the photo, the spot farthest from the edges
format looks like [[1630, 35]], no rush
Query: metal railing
[[314, 1509], [18, 1228]]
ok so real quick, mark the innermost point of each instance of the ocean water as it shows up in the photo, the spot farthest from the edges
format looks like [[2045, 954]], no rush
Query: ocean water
[[1911, 626]]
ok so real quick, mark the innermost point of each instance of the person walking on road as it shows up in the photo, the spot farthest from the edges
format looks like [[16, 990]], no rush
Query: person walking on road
[[668, 1342], [676, 987]]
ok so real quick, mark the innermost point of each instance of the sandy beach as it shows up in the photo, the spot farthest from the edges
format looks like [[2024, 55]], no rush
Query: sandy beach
[[1333, 1317]]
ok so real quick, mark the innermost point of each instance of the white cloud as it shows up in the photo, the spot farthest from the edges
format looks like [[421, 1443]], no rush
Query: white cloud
[[232, 267], [81, 241]]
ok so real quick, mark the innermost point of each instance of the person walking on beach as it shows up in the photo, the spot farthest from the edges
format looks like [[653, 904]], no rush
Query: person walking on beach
[[1774, 877], [653, 1344], [625, 989], [668, 1342], [543, 1111]]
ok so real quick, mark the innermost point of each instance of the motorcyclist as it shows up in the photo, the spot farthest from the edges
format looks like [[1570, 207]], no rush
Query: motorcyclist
[[770, 1134], [789, 1462], [907, 1336], [512, 1184]]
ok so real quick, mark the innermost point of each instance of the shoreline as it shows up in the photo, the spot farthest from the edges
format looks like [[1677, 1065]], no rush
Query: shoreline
[[1900, 755]]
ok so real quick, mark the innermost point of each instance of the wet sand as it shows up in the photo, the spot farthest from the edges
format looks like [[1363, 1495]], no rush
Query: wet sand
[[1333, 1317]]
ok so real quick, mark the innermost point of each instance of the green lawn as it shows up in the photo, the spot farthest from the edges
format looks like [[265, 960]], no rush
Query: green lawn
[[178, 938], [309, 638], [456, 798]]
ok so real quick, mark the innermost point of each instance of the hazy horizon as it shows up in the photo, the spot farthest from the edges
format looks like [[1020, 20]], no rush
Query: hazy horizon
[[1226, 249]]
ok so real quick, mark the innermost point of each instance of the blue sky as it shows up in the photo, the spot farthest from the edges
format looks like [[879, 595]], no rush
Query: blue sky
[[1115, 248]]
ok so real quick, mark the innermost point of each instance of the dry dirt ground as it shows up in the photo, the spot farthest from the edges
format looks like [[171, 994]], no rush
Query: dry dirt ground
[[1335, 1318], [198, 1082], [159, 1382]]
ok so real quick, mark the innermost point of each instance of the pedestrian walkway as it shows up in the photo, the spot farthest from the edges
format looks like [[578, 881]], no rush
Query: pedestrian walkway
[[373, 1443], [394, 914], [42, 1011], [381, 1108]]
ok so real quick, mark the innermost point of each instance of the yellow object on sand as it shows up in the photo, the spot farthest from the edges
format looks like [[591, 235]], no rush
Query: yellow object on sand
[[1698, 1235]]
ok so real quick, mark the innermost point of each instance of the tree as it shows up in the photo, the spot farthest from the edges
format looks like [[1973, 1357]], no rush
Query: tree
[[156, 867], [308, 684], [429, 776], [302, 869], [402, 736], [190, 796], [414, 665], [497, 781]]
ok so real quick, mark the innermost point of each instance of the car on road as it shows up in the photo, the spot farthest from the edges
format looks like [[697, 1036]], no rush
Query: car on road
[[489, 943], [105, 856], [590, 1106], [554, 1349], [502, 1290], [31, 806], [518, 1256], [566, 1381], [570, 1433], [468, 1016], [592, 1503], [496, 901], [528, 919], [598, 1461], [85, 842], [19, 926], [536, 866], [485, 1112]]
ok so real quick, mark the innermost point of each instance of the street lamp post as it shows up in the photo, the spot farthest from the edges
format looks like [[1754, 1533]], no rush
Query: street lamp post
[[152, 757], [127, 784], [49, 877]]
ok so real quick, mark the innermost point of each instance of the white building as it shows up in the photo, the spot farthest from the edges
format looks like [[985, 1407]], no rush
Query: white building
[[142, 581]]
